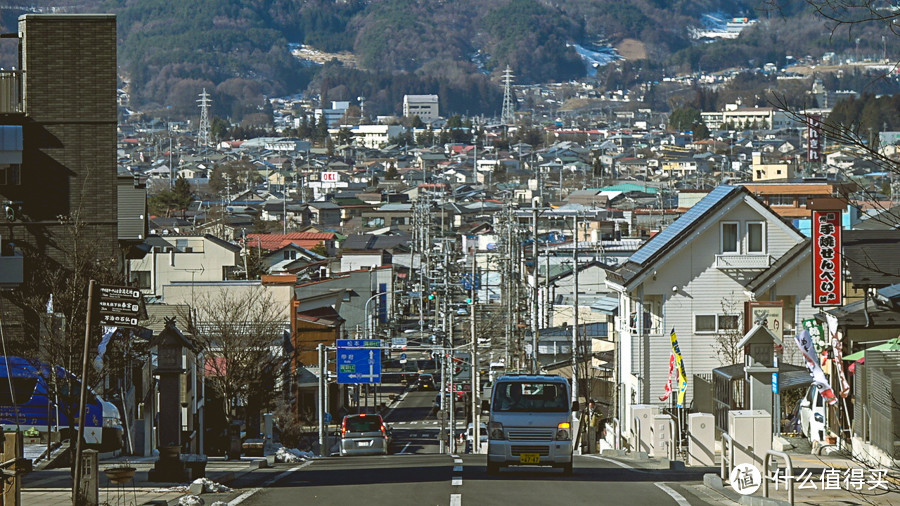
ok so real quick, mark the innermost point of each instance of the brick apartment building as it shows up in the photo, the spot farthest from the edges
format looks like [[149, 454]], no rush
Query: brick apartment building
[[58, 118]]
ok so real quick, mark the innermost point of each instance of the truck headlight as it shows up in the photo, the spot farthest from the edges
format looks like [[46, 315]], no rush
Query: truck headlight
[[496, 430], [563, 432]]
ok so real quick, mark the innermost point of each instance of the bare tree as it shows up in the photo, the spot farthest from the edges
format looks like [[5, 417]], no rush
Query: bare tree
[[725, 345], [241, 332], [53, 304]]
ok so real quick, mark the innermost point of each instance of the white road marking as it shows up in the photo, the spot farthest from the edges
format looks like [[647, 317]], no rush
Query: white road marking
[[246, 495], [457, 482], [457, 469], [455, 499], [620, 464], [675, 495], [405, 447], [457, 461]]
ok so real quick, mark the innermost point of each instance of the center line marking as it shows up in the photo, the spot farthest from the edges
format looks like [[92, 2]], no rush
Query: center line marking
[[457, 482], [455, 499]]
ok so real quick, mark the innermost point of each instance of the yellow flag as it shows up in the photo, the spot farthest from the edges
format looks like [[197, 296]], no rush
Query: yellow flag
[[682, 375]]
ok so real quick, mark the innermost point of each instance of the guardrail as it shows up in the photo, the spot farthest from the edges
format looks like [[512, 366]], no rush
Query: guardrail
[[788, 472], [728, 459]]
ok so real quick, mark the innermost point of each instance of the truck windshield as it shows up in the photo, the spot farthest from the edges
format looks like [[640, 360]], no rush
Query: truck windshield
[[529, 396]]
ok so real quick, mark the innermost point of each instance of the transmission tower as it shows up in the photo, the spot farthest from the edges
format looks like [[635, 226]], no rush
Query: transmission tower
[[203, 135], [507, 116]]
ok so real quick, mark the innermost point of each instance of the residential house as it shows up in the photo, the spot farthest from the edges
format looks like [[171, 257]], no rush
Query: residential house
[[693, 278], [325, 213], [188, 259], [306, 240], [365, 295], [771, 171]]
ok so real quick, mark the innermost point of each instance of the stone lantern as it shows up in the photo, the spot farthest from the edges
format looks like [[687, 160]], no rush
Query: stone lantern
[[170, 345], [761, 366]]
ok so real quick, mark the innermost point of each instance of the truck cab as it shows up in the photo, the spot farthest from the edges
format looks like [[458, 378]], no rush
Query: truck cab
[[530, 422]]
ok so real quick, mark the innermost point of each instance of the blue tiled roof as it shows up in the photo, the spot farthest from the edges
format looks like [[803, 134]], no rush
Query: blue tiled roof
[[679, 226]]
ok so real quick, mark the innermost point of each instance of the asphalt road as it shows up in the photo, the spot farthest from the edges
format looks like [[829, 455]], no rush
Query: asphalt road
[[417, 474], [443, 479]]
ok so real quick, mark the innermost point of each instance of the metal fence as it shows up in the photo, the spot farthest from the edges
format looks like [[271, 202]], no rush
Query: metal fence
[[877, 390]]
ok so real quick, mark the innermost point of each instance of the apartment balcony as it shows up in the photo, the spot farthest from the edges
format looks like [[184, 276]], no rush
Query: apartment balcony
[[11, 91], [743, 262]]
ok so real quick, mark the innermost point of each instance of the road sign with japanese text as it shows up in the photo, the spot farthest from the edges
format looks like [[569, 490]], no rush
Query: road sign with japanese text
[[358, 361]]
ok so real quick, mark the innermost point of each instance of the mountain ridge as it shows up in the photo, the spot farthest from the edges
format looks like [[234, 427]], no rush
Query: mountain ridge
[[239, 49]]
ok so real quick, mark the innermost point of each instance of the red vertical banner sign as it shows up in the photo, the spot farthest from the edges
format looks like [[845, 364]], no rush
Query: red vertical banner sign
[[827, 276], [814, 138]]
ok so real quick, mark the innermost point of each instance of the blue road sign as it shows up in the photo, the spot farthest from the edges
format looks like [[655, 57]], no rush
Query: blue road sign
[[358, 361], [327, 417], [403, 356]]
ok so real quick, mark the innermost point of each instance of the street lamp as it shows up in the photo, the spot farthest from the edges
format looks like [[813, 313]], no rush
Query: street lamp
[[366, 326]]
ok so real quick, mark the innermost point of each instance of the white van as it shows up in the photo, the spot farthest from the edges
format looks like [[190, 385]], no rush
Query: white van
[[812, 415], [529, 422]]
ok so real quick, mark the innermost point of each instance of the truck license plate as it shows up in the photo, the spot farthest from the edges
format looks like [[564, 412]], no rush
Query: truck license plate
[[364, 443], [529, 458]]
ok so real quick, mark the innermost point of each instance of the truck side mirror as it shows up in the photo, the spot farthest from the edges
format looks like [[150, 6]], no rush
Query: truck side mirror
[[574, 405]]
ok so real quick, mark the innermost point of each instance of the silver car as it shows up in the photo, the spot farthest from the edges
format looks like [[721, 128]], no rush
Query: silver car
[[364, 434]]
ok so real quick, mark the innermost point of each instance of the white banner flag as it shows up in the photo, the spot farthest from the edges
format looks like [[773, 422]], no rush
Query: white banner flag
[[812, 363]]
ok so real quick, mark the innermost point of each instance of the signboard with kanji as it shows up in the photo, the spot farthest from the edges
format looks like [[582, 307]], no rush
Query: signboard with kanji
[[358, 361], [826, 244], [769, 314], [814, 139], [119, 305]]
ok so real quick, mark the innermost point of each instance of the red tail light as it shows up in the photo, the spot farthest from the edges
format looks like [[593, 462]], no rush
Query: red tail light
[[343, 427]]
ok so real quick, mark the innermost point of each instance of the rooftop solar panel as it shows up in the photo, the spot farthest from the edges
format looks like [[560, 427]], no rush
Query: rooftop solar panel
[[660, 240]]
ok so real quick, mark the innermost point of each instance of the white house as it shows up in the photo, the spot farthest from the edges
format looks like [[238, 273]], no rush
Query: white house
[[694, 277], [184, 258], [375, 136]]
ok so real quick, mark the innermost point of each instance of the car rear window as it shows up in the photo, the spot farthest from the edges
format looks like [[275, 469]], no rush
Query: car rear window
[[364, 424]]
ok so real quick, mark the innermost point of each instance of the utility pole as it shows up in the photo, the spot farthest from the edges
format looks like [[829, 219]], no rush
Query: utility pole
[[476, 388], [535, 293], [575, 307]]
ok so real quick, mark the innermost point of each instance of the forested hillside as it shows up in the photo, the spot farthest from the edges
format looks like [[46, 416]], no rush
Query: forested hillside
[[238, 49]]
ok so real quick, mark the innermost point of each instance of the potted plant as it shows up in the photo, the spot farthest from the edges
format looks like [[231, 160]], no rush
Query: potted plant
[[121, 473]]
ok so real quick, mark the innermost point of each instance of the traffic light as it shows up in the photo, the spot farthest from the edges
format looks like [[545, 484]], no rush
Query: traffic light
[[468, 300], [432, 295]]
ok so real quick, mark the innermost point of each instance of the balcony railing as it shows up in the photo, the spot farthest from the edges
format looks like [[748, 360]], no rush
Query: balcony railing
[[749, 262], [10, 91]]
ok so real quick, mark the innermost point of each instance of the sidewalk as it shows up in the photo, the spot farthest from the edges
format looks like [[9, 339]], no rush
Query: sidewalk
[[825, 480], [50, 487]]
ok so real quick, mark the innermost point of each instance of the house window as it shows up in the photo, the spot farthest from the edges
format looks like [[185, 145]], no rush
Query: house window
[[141, 279], [756, 242], [9, 174], [715, 323], [729, 234]]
